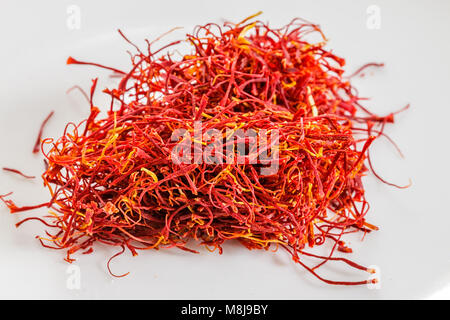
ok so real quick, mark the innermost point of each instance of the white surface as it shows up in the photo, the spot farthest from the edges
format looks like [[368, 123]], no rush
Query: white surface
[[411, 249]]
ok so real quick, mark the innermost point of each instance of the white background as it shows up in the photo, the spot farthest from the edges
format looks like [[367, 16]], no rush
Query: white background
[[411, 248]]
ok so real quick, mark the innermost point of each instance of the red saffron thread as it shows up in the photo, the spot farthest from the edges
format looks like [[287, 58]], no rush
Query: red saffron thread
[[41, 131], [18, 172]]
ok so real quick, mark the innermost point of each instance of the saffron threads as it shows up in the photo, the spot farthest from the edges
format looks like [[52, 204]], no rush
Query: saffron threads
[[18, 172], [364, 67], [37, 145], [114, 179]]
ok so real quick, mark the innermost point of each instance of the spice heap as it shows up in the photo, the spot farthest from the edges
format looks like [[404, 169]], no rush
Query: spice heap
[[119, 180]]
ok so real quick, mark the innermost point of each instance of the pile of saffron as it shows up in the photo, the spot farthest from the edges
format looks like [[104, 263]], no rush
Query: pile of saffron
[[113, 179]]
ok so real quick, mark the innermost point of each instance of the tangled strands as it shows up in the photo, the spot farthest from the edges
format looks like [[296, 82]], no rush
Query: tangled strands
[[113, 180]]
